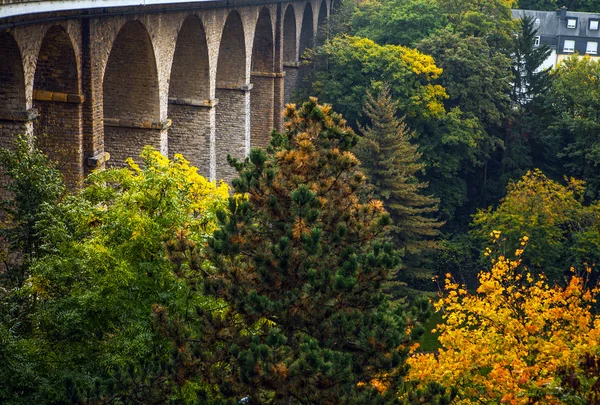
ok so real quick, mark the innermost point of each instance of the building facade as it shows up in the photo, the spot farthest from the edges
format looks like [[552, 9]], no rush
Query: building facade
[[565, 33]]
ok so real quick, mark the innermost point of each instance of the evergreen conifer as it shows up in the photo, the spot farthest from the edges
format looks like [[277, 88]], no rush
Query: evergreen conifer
[[301, 260], [392, 163]]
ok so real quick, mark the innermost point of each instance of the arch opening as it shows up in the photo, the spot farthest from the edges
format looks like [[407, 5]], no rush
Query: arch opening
[[57, 98], [289, 36], [302, 84], [231, 66], [307, 31], [263, 79], [13, 104], [189, 96], [232, 113], [290, 56], [322, 26], [131, 101]]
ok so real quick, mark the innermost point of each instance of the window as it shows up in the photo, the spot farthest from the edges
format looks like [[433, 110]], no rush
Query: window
[[537, 21], [594, 25], [536, 41], [571, 22], [569, 45], [592, 48]]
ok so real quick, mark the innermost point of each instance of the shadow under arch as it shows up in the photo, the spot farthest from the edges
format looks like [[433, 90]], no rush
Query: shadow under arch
[[58, 100], [232, 113], [131, 101], [190, 107], [14, 117]]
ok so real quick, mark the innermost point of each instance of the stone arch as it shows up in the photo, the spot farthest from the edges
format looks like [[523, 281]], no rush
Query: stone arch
[[190, 69], [57, 98], [290, 52], [190, 107], [131, 101], [322, 28], [232, 113], [262, 48], [231, 65], [263, 80], [307, 41], [13, 103], [307, 35], [289, 36]]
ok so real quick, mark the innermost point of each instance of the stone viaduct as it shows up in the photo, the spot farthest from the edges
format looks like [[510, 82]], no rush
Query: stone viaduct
[[93, 79]]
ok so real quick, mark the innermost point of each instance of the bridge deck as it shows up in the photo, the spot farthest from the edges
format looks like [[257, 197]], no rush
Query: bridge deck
[[13, 8]]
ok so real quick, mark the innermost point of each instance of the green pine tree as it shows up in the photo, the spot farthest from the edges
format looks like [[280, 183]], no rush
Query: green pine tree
[[392, 164], [301, 261], [529, 81]]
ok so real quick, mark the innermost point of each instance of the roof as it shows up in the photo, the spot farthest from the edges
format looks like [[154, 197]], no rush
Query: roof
[[551, 23], [553, 30]]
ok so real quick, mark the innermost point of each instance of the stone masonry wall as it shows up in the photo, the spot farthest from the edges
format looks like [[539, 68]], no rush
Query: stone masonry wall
[[117, 107], [231, 129], [261, 109], [58, 134], [13, 119], [190, 73], [190, 134], [58, 103], [291, 82], [123, 143], [130, 79], [12, 96]]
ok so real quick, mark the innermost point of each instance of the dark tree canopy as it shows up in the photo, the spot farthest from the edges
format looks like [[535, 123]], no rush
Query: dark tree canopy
[[301, 260]]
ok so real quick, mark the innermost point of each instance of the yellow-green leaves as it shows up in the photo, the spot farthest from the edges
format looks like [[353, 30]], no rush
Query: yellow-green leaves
[[552, 216], [356, 64]]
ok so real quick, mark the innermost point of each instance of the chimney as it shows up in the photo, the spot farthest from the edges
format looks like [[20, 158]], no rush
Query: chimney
[[562, 13]]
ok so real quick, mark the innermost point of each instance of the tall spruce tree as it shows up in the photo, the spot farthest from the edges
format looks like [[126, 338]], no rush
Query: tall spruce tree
[[522, 151], [529, 81], [301, 260], [392, 164]]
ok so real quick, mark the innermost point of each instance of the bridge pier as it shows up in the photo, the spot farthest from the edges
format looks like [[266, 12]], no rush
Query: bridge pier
[[232, 127], [16, 123], [262, 108], [92, 107], [192, 132], [58, 132], [125, 139], [291, 79]]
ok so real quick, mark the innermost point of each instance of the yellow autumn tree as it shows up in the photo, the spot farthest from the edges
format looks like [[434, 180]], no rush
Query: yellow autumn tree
[[506, 342], [563, 230]]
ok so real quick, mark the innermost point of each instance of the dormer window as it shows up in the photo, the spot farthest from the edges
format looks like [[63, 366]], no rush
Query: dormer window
[[571, 22], [536, 41], [537, 21], [569, 46], [594, 25]]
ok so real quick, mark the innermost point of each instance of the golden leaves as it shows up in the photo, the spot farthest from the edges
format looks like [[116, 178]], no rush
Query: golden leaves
[[508, 340]]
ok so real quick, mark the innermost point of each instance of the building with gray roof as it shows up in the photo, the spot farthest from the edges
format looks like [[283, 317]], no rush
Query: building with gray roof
[[565, 32]]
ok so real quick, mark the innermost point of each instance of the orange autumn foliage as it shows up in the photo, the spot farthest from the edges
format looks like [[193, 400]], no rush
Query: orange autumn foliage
[[505, 343]]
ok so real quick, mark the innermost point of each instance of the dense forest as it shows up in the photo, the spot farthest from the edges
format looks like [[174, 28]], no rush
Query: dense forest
[[424, 230]]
